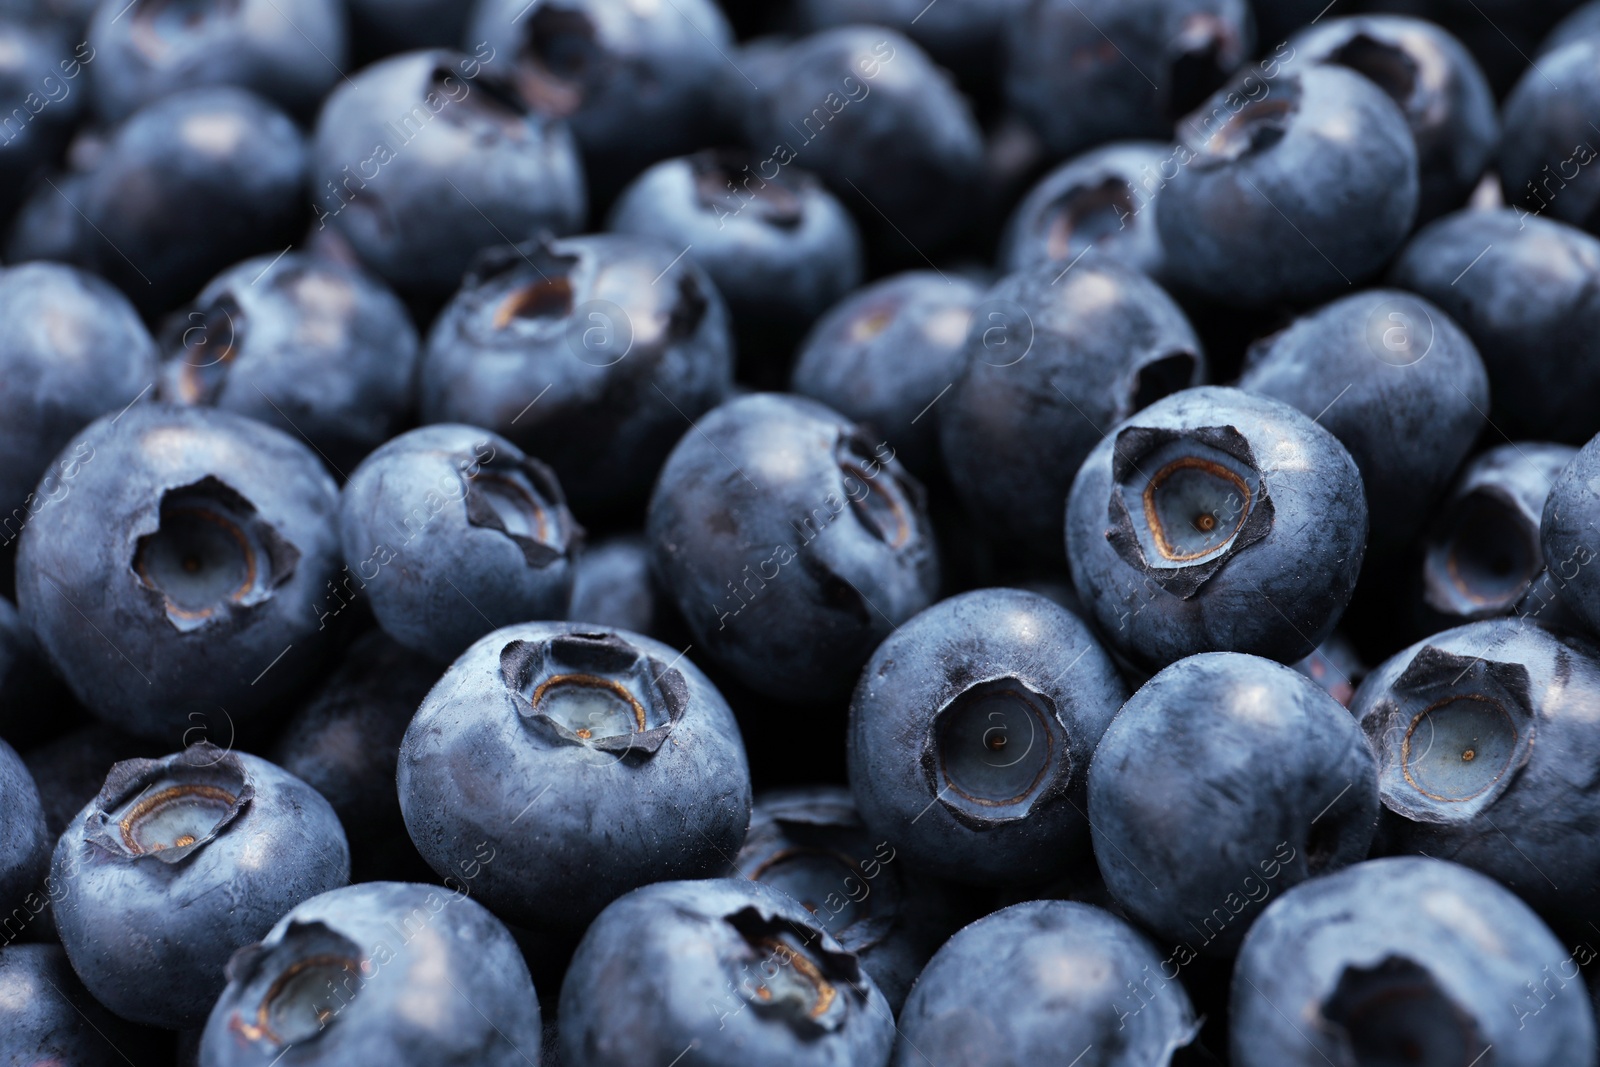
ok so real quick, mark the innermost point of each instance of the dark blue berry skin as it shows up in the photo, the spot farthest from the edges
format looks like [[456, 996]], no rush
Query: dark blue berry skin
[[1255, 546], [884, 355], [1289, 190], [43, 98], [188, 556], [1083, 72], [24, 841], [1485, 742], [636, 82], [452, 531], [792, 541], [188, 185], [71, 349], [586, 763], [780, 247], [867, 111], [177, 863], [1406, 959], [612, 587], [48, 1018], [427, 157], [1548, 143], [593, 353], [1568, 538], [383, 27], [1042, 982], [964, 36], [1102, 200], [1437, 85], [319, 350], [289, 51], [1229, 778], [1053, 360], [1397, 382], [1530, 302], [381, 972], [811, 843], [1483, 556], [1584, 22], [971, 732], [47, 224], [70, 769], [721, 973]]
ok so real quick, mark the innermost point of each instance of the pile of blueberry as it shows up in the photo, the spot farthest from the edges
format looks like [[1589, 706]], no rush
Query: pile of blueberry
[[799, 533]]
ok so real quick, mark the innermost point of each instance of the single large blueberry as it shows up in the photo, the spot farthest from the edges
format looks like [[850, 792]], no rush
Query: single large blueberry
[[593, 353], [1289, 190], [319, 350], [561, 766], [383, 972], [1054, 358], [792, 542], [971, 733], [1223, 781], [719, 973], [1485, 737], [451, 531], [1043, 982], [427, 157], [181, 572], [1397, 382], [1406, 961], [177, 863], [1216, 521]]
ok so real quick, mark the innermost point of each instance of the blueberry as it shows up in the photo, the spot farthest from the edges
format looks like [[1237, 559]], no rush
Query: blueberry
[[1083, 72], [1527, 291], [1568, 542], [612, 587], [427, 157], [1228, 778], [43, 98], [1289, 190], [188, 185], [592, 353], [810, 842], [179, 574], [1043, 982], [1483, 557], [780, 247], [635, 81], [176, 863], [1438, 86], [1397, 382], [71, 349], [721, 973], [1102, 200], [792, 542], [1484, 735], [1548, 143], [1054, 359], [1216, 521], [1406, 960], [623, 759], [289, 51], [24, 846], [962, 35], [451, 531], [866, 110], [382, 972], [971, 732], [319, 350], [47, 1017], [885, 355]]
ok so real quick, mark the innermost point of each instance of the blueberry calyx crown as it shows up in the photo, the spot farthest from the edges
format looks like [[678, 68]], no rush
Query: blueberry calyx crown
[[1451, 735], [292, 990], [1485, 557], [1086, 214], [169, 808], [1254, 128], [1397, 1004], [210, 555], [787, 972], [1390, 67], [158, 25], [722, 180], [1185, 502], [996, 751], [595, 689], [890, 500], [523, 501], [823, 856], [201, 347], [557, 58]]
